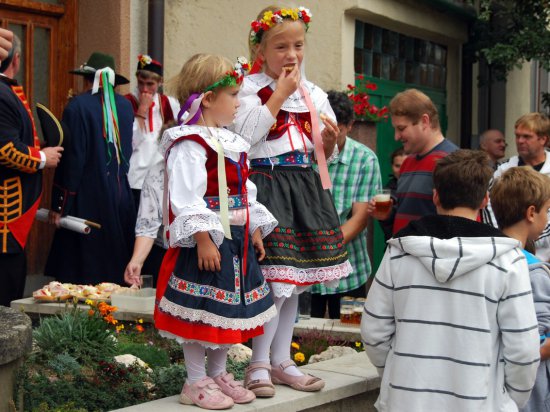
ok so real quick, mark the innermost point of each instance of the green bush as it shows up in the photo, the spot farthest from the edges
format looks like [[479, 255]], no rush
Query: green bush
[[149, 354], [168, 381], [77, 334]]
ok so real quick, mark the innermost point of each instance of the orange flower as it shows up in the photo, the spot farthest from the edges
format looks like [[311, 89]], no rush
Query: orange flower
[[140, 328], [91, 312]]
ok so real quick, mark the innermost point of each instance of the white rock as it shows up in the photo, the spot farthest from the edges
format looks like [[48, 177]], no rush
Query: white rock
[[239, 353], [331, 353], [128, 360]]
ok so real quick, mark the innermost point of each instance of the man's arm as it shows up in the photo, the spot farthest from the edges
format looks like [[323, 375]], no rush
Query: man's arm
[[357, 222], [519, 333]]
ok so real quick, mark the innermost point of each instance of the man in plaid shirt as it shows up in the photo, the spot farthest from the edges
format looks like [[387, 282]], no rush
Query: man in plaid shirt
[[355, 176]]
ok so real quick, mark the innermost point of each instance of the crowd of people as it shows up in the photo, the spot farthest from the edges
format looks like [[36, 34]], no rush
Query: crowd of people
[[244, 190]]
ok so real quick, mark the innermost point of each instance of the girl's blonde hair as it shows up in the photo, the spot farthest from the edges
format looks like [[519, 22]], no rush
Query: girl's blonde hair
[[198, 73]]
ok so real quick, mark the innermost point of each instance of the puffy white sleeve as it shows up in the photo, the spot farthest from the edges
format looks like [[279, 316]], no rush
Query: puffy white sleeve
[[175, 106], [253, 119], [149, 217], [187, 180], [260, 217]]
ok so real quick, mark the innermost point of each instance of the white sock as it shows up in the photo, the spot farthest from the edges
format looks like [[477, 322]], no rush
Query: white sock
[[280, 347], [217, 361], [262, 343], [194, 362]]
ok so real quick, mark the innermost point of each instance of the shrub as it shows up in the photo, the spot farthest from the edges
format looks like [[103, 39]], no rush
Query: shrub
[[313, 342], [76, 333], [168, 381]]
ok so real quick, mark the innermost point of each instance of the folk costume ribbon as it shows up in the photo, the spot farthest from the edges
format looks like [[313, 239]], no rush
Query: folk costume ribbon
[[317, 140], [104, 79]]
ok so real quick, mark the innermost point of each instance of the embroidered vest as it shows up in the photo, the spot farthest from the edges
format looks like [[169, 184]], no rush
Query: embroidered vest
[[285, 119]]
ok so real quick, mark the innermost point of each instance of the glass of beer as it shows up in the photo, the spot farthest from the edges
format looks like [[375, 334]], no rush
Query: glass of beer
[[382, 200]]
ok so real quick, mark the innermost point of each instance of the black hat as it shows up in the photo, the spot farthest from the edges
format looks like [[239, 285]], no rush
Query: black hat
[[99, 61], [145, 62], [55, 132]]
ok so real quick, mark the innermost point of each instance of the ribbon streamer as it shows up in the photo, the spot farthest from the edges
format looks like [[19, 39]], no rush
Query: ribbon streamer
[[193, 107], [317, 140], [105, 79], [222, 185]]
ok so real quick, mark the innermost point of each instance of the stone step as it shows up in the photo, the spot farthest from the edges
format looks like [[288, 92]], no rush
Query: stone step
[[352, 384]]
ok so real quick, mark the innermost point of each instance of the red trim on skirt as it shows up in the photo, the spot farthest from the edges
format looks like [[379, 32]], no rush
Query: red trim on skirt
[[193, 330]]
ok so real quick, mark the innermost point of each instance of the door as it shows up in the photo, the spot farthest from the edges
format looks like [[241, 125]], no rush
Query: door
[[47, 30]]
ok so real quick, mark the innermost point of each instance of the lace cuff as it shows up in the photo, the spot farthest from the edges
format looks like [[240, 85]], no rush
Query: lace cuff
[[184, 227], [261, 218]]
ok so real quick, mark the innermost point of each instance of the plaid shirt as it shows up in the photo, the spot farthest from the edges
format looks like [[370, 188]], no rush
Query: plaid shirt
[[355, 176]]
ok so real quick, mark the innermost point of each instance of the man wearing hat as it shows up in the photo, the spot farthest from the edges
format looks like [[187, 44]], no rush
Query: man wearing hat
[[152, 110], [21, 161], [91, 181]]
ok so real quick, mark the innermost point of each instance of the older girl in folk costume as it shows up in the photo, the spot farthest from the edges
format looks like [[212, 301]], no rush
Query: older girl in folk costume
[[282, 115], [211, 292]]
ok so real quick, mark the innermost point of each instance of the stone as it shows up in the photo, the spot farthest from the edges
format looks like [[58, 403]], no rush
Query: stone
[[239, 353], [15, 335], [332, 352], [128, 360]]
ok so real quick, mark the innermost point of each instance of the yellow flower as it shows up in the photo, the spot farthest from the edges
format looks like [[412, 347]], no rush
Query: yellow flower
[[295, 345], [357, 344], [89, 302], [140, 320], [268, 15], [299, 357]]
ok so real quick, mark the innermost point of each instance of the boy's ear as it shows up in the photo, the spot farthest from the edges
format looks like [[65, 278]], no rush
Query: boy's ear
[[436, 200], [485, 201], [530, 213]]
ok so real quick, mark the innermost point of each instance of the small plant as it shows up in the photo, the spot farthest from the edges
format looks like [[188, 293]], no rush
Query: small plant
[[313, 342], [363, 108], [76, 333], [151, 355], [168, 381]]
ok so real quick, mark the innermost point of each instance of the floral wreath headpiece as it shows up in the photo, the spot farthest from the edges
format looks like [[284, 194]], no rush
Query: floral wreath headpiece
[[270, 19], [230, 79]]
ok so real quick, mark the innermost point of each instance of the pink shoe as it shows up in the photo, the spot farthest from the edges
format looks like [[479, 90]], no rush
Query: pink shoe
[[234, 389], [205, 394], [305, 383], [262, 388]]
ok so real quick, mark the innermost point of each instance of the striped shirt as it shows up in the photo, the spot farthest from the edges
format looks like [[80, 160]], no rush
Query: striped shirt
[[355, 176], [415, 185]]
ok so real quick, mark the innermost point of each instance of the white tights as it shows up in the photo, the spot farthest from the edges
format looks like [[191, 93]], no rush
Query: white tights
[[195, 363], [277, 337]]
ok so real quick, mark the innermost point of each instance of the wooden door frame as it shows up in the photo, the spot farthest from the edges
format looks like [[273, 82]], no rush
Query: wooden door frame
[[63, 48]]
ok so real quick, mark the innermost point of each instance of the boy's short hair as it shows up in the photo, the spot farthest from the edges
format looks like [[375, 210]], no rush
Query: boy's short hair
[[514, 191], [149, 75], [462, 179], [412, 104], [342, 106]]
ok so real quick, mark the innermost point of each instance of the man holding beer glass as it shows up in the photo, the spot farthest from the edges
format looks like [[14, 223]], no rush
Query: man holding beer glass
[[416, 123], [355, 176]]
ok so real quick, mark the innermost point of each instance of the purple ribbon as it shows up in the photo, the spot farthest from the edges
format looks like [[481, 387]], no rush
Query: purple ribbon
[[193, 116]]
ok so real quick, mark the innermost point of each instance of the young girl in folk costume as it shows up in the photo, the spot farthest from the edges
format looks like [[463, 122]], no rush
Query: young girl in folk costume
[[211, 292], [290, 125]]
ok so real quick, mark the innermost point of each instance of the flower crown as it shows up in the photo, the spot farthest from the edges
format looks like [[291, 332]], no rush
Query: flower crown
[[233, 77], [270, 19]]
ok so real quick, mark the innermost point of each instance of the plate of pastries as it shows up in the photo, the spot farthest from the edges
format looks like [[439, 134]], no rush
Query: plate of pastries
[[59, 292]]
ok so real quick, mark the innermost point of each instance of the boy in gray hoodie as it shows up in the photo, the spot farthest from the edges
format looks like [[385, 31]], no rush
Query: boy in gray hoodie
[[521, 200], [449, 319]]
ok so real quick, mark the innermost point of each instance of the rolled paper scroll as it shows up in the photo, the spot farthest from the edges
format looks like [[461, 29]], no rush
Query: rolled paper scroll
[[67, 222]]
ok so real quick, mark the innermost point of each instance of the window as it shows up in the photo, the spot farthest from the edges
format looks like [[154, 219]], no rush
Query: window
[[389, 55]]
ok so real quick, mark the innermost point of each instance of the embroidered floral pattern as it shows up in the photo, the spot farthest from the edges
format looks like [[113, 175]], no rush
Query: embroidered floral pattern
[[234, 202], [285, 159], [309, 276], [288, 238], [220, 295]]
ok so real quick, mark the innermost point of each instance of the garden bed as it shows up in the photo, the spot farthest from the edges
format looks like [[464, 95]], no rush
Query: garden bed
[[74, 360]]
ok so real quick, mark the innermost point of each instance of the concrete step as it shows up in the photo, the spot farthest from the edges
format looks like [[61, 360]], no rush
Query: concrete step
[[352, 384]]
